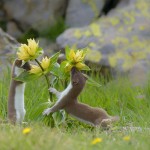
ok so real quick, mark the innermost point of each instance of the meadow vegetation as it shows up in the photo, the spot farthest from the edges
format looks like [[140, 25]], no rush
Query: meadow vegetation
[[118, 97]]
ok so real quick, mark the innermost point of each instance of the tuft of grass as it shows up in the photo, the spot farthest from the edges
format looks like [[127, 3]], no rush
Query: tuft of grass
[[3, 25], [51, 33], [55, 30], [30, 33], [118, 97], [42, 137]]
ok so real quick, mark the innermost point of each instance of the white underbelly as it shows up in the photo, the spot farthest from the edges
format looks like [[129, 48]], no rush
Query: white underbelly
[[65, 92], [19, 97], [82, 120]]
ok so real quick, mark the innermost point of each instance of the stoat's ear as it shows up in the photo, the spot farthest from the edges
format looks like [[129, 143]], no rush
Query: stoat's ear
[[85, 76]]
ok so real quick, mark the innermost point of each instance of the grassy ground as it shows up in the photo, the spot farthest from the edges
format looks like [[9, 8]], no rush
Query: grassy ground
[[118, 97]]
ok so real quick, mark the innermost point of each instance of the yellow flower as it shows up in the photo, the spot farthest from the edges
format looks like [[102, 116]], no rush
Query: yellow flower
[[126, 138], [75, 59], [23, 52], [30, 51], [96, 140], [45, 63], [33, 46], [26, 130], [35, 70], [71, 55], [79, 56], [68, 67]]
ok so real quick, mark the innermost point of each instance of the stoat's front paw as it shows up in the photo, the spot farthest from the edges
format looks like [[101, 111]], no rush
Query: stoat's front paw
[[47, 111], [52, 90]]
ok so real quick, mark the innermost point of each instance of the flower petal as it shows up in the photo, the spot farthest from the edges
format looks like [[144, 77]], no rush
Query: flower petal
[[26, 130], [68, 67], [71, 55], [23, 55], [96, 140], [35, 70], [126, 138], [33, 47], [45, 63], [79, 65]]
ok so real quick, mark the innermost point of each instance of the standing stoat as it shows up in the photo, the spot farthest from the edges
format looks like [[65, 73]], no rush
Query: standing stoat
[[16, 110], [68, 100]]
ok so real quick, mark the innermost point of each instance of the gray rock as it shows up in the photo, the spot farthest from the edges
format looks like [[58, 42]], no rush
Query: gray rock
[[8, 47], [48, 46], [124, 3], [35, 13], [83, 12], [13, 30], [120, 40]]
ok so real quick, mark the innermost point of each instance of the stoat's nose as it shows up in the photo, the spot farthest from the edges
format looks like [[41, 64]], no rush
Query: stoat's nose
[[26, 66], [73, 70]]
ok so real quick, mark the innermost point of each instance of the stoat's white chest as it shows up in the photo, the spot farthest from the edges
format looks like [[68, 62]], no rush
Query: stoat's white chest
[[65, 92], [19, 91], [17, 71], [19, 96]]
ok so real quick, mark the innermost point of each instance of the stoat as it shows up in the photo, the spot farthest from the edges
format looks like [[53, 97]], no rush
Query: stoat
[[68, 101], [16, 110]]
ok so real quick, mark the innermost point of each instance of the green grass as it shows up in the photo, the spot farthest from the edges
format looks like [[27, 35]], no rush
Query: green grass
[[50, 33], [118, 97], [55, 30]]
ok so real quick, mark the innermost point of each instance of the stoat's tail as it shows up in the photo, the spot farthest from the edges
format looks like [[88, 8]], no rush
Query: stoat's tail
[[114, 118], [108, 121]]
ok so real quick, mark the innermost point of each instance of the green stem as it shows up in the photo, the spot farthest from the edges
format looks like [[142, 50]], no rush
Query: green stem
[[47, 79]]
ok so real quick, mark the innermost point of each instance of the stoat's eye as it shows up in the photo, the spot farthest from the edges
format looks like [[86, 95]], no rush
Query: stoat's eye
[[18, 63], [75, 81]]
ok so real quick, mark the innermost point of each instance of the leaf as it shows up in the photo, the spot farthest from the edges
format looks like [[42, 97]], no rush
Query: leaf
[[85, 51], [59, 117], [55, 70], [63, 65], [64, 74], [53, 64], [67, 51], [54, 80], [91, 82], [26, 77], [54, 58], [86, 68], [48, 120], [40, 50]]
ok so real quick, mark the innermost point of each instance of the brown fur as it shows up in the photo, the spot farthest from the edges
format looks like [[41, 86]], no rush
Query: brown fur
[[81, 111], [13, 84]]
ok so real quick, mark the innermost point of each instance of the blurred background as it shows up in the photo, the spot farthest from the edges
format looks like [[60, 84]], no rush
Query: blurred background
[[115, 32]]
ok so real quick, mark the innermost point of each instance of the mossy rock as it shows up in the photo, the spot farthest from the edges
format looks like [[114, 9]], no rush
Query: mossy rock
[[83, 12], [119, 40]]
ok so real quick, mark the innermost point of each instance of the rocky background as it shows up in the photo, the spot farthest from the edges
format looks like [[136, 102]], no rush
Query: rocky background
[[116, 32]]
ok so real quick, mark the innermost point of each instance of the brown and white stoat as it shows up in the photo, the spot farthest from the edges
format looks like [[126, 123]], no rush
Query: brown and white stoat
[[16, 110], [68, 101]]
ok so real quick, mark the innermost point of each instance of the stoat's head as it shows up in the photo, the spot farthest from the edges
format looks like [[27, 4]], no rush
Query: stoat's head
[[20, 64], [77, 78]]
